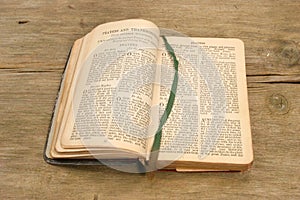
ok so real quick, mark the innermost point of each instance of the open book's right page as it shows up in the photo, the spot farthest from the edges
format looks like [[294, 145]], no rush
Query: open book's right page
[[209, 121]]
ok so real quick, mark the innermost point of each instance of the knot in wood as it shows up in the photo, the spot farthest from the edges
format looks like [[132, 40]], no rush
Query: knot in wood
[[278, 104], [290, 55]]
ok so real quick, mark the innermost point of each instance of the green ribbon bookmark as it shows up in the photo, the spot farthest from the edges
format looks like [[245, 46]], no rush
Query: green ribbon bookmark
[[157, 139]]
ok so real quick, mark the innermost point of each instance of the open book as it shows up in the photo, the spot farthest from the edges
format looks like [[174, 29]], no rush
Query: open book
[[117, 85]]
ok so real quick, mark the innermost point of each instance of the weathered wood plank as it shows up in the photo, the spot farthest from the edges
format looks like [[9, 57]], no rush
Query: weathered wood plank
[[35, 39]]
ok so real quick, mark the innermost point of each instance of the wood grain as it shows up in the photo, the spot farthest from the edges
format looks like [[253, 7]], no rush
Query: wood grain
[[35, 38]]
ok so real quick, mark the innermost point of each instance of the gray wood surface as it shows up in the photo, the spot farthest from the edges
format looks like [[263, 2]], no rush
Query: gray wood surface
[[35, 38]]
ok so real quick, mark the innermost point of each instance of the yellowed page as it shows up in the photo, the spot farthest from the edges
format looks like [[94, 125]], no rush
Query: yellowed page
[[62, 98], [186, 132], [99, 37]]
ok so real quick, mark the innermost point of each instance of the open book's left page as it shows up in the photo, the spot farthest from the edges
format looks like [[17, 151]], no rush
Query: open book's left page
[[106, 95]]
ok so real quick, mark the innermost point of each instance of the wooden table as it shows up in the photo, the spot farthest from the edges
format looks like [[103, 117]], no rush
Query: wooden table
[[35, 38]]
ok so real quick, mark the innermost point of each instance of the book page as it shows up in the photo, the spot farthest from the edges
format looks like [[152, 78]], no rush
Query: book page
[[62, 98], [209, 121], [110, 97]]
